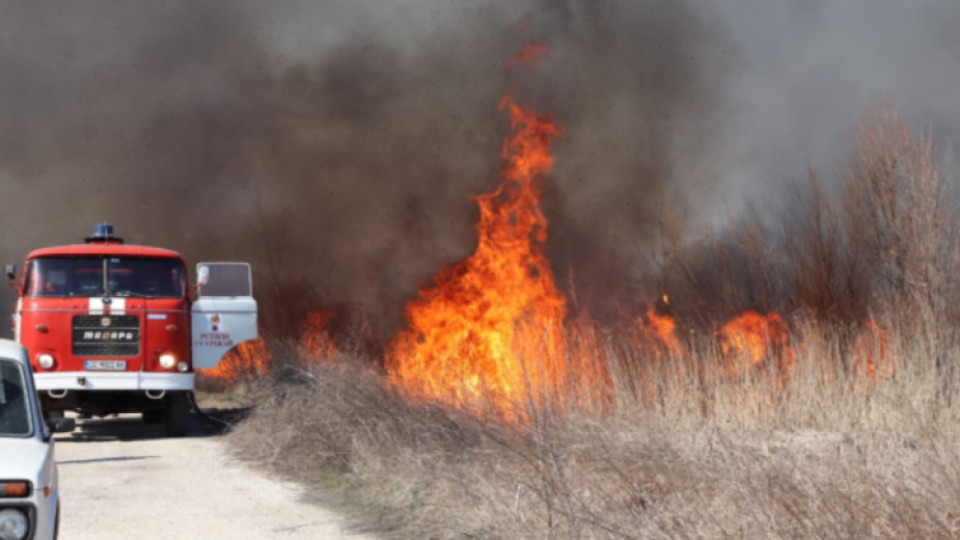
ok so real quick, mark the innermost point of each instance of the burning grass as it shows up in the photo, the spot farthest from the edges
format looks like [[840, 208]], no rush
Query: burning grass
[[810, 401]]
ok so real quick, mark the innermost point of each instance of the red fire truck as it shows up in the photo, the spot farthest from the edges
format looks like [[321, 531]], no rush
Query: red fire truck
[[115, 328]]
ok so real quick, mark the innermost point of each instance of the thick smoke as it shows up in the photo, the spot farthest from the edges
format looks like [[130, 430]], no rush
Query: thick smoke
[[337, 144]]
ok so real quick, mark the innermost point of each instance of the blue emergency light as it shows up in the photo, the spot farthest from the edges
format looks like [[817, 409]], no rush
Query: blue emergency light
[[103, 232]]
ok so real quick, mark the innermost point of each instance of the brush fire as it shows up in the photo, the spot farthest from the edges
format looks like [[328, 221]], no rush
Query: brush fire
[[492, 334], [253, 359], [491, 327]]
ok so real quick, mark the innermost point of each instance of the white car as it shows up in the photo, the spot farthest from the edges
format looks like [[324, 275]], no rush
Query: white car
[[29, 490]]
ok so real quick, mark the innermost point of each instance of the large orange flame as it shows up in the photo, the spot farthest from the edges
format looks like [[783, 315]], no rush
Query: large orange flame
[[490, 328]]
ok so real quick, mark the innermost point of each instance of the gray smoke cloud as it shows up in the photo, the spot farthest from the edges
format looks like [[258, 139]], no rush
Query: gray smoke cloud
[[337, 144], [809, 69]]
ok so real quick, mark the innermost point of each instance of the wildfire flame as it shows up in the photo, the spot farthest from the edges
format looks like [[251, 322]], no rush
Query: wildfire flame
[[247, 361], [315, 340], [871, 353], [490, 331], [749, 340], [252, 359], [662, 329], [490, 328], [528, 54]]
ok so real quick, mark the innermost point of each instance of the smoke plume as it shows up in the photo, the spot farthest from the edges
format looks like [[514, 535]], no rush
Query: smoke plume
[[337, 144]]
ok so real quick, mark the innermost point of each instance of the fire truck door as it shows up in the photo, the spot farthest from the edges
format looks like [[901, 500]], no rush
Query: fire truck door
[[225, 312]]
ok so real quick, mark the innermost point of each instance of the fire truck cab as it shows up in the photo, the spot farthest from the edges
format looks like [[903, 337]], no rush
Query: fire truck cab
[[115, 328]]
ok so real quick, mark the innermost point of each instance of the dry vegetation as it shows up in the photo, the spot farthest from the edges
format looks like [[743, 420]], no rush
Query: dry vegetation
[[819, 449]]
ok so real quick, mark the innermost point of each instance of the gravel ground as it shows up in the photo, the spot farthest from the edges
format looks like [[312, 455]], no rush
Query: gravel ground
[[121, 479]]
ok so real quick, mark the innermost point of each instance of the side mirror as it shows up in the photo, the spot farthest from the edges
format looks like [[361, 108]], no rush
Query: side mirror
[[11, 271], [62, 425], [203, 276]]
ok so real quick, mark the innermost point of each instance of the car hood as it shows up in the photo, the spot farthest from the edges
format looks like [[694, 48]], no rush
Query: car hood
[[24, 459]]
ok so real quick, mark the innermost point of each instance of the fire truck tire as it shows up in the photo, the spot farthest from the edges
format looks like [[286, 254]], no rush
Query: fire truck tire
[[176, 414], [153, 416]]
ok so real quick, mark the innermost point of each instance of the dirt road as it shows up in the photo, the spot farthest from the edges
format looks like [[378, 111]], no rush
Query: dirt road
[[121, 479]]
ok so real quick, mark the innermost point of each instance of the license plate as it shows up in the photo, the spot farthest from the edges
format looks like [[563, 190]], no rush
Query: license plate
[[105, 365]]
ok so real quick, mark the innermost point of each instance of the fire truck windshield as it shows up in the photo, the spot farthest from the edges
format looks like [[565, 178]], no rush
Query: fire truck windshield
[[106, 276]]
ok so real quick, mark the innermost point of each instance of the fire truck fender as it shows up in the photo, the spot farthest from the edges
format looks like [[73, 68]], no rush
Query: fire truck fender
[[87, 380]]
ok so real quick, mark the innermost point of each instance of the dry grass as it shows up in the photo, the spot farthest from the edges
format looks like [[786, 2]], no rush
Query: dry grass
[[678, 447], [826, 454]]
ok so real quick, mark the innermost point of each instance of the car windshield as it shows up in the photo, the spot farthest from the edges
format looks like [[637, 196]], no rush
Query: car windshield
[[14, 412], [106, 276]]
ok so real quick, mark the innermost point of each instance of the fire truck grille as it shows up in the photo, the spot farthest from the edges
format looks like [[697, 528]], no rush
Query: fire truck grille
[[106, 335]]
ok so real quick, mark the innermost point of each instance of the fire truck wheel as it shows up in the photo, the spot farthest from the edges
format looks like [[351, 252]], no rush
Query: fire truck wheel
[[176, 414], [153, 416]]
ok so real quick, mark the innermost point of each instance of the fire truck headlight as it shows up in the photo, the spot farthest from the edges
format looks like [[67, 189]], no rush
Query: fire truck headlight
[[13, 524], [45, 360], [182, 367], [167, 361]]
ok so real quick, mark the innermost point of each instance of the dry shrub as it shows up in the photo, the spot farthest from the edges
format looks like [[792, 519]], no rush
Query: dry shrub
[[898, 211], [879, 242], [822, 271]]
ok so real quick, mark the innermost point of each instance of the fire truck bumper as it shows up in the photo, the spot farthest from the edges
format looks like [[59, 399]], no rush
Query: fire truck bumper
[[86, 380]]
